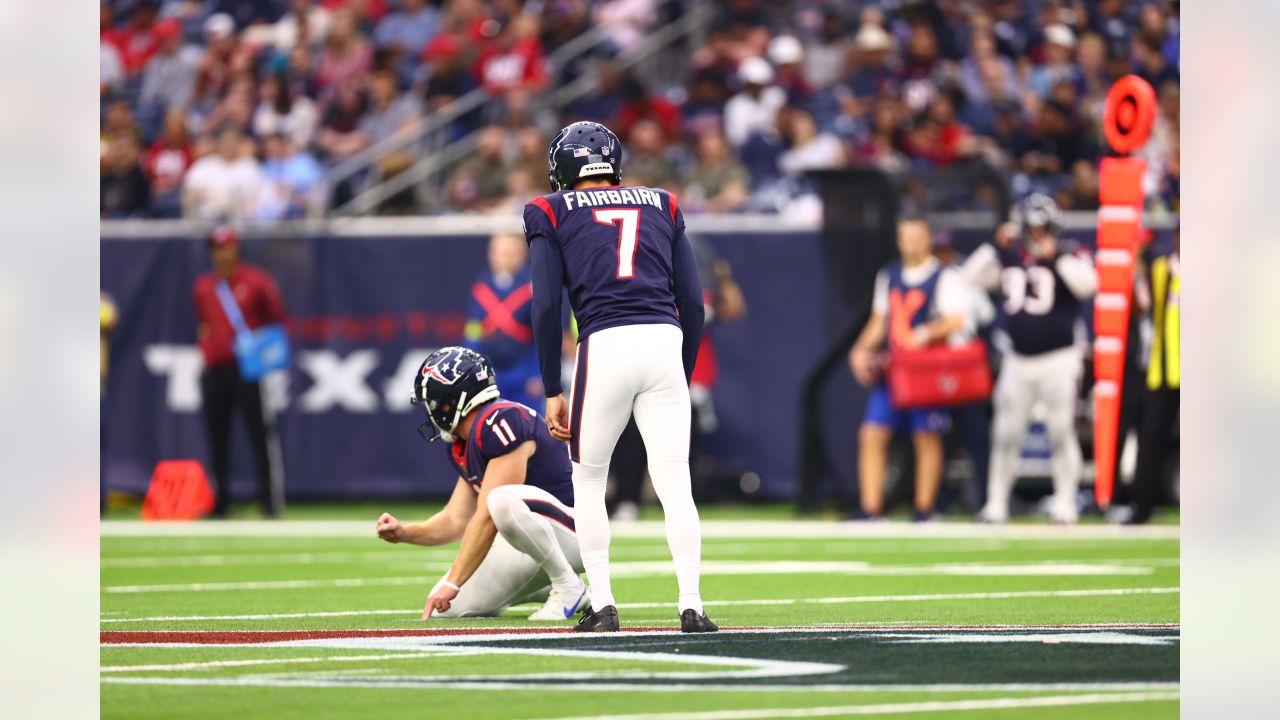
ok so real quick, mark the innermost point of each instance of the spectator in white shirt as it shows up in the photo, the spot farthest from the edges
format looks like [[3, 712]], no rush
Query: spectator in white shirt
[[223, 184], [170, 76], [280, 111], [755, 108], [810, 149]]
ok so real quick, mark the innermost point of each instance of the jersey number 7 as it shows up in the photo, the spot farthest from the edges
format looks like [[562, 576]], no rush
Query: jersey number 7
[[628, 235]]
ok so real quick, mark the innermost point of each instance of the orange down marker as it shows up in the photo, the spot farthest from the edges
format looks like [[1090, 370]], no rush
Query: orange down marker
[[1127, 119]]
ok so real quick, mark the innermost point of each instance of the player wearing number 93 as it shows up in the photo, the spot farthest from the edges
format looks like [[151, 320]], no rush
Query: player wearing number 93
[[1042, 283], [512, 506], [633, 285]]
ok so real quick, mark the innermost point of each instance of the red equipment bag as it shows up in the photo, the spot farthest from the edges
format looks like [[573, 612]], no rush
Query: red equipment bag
[[939, 376]]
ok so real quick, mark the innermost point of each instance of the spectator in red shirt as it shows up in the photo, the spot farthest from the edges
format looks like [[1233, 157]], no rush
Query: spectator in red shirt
[[514, 60], [222, 388], [938, 137], [138, 40], [639, 104], [166, 163]]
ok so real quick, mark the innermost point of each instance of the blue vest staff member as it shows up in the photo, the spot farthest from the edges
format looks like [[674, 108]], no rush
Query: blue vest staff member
[[500, 320], [222, 389]]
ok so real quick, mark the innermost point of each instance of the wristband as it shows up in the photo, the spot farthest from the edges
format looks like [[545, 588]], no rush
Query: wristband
[[450, 585]]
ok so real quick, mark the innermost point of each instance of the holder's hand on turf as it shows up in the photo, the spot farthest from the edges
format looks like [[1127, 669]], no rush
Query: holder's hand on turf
[[558, 418], [390, 529], [441, 598]]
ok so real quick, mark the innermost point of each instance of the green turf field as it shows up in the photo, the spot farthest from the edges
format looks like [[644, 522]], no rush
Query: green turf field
[[316, 618]]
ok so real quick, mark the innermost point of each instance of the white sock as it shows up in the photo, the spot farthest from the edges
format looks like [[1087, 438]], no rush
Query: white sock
[[591, 520], [684, 529]]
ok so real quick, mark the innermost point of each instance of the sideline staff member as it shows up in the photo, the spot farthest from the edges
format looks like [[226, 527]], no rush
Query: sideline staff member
[[222, 388]]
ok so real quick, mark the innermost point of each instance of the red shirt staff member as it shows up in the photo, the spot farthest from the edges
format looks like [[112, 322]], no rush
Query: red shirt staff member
[[221, 385]]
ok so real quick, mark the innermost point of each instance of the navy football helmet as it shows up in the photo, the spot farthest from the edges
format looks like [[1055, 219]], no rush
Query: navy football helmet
[[583, 150], [1036, 210], [452, 382]]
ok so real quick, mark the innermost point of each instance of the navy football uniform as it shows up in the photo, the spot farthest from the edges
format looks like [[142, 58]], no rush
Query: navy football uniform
[[617, 244], [1040, 310], [501, 427]]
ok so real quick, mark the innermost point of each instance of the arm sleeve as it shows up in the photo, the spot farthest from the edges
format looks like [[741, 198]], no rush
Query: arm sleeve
[[982, 269], [1079, 274], [547, 267], [688, 291], [880, 295]]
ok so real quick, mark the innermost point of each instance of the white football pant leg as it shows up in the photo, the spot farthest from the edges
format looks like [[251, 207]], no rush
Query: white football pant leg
[[603, 394], [1059, 383], [543, 536], [663, 415], [505, 577], [1015, 393]]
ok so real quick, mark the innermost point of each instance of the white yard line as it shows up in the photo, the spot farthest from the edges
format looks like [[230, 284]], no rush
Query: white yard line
[[211, 665], [709, 568], [776, 529], [897, 708], [436, 683]]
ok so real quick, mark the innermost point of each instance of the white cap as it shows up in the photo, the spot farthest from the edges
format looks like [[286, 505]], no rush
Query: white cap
[[220, 24], [872, 38], [1059, 34], [785, 50], [755, 71]]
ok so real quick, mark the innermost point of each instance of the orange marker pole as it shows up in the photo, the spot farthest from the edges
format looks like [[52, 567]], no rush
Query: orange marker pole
[[1127, 118]]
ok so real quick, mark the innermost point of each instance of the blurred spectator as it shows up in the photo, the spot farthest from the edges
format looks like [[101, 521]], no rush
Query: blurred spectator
[[878, 71], [1109, 18], [704, 106], [223, 184], [881, 146], [755, 108], [235, 111], [917, 302], [480, 180], [214, 75], [166, 163], [810, 149], [985, 75], [170, 77], [346, 55], [293, 182], [921, 65], [406, 31], [639, 104], [110, 69], [304, 21], [787, 55], [647, 161], [718, 182], [825, 60], [626, 21], [1059, 64], [514, 60], [124, 188], [137, 41], [606, 98], [1150, 61], [938, 137], [1082, 193], [500, 320], [449, 78], [389, 112], [280, 111], [340, 136], [531, 155]]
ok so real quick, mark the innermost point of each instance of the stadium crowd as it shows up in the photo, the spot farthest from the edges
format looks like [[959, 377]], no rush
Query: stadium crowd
[[238, 109]]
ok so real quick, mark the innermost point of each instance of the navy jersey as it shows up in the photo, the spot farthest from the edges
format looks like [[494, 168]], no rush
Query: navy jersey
[[503, 426], [618, 245], [1040, 310]]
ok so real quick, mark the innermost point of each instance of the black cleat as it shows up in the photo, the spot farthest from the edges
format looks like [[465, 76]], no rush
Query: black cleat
[[692, 622], [603, 620]]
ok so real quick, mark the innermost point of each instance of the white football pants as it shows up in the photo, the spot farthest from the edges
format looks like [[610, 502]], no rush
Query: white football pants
[[536, 547], [1054, 380], [621, 371]]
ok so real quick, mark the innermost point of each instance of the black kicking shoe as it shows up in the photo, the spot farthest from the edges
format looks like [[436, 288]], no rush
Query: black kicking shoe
[[603, 620], [692, 622]]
